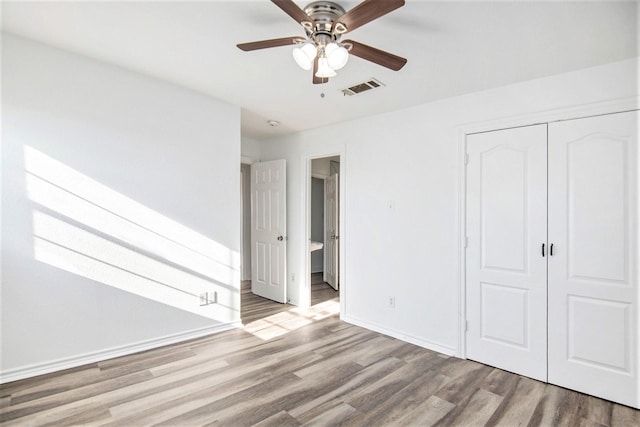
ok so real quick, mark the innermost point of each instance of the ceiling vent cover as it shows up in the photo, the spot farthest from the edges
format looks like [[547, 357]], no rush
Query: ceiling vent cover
[[362, 87]]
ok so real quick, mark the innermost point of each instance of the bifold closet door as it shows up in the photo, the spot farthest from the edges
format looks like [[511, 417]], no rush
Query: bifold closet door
[[506, 267], [593, 271]]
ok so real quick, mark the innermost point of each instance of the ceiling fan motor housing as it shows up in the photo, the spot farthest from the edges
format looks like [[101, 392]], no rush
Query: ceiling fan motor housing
[[324, 14]]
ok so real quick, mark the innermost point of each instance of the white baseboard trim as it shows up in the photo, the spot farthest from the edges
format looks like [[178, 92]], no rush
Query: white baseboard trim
[[430, 345], [98, 356]]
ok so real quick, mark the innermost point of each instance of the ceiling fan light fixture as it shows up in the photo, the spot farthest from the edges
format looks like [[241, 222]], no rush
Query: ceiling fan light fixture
[[304, 55], [324, 23], [337, 56], [324, 71]]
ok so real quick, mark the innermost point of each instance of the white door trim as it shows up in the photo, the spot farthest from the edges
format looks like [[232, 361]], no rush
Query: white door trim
[[305, 283], [549, 116]]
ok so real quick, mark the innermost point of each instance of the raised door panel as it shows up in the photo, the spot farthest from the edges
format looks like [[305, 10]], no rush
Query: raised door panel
[[597, 222], [505, 270], [503, 184], [593, 287]]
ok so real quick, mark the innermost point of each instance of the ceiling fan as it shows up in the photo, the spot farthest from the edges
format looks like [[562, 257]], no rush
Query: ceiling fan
[[324, 23]]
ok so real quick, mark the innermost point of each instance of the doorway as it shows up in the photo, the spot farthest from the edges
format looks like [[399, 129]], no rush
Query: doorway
[[324, 226]]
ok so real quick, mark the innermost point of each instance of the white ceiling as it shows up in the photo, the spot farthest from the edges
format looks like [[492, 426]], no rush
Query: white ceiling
[[452, 48]]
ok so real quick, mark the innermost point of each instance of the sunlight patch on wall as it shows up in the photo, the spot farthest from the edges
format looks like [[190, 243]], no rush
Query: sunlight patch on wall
[[66, 191], [86, 228]]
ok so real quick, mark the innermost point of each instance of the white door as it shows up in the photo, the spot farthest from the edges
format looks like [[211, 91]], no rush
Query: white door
[[593, 286], [331, 240], [268, 230], [506, 273]]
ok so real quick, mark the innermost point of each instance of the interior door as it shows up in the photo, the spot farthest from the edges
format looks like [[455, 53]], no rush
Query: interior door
[[331, 240], [506, 273], [268, 230], [593, 286]]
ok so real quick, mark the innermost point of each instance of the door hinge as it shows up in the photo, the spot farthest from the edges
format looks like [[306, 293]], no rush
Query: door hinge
[[466, 159], [466, 325], [466, 242]]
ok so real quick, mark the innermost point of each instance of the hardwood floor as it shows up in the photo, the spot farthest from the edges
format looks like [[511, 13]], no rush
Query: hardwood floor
[[254, 307], [291, 367], [321, 291]]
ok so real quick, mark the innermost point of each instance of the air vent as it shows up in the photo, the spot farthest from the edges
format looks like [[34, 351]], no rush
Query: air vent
[[362, 87]]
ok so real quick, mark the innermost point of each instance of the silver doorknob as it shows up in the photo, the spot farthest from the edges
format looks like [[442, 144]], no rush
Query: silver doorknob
[[280, 238]]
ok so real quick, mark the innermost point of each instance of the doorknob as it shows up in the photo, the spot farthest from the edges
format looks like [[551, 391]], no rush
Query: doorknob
[[280, 238]]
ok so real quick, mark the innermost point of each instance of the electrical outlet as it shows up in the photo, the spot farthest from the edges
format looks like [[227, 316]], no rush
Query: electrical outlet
[[391, 302], [212, 297], [203, 298]]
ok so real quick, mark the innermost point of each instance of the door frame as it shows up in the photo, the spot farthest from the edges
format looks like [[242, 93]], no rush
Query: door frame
[[306, 220], [528, 119]]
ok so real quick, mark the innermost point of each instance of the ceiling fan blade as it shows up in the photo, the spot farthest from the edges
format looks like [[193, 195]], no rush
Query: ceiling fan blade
[[292, 9], [367, 11], [318, 80], [378, 56], [263, 44]]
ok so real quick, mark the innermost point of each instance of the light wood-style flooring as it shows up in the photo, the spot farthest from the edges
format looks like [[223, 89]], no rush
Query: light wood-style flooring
[[254, 307], [291, 367]]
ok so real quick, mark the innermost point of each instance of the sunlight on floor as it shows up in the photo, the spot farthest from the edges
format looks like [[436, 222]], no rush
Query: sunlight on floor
[[281, 323]]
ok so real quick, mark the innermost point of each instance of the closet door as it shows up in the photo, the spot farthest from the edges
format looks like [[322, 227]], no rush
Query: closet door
[[593, 276], [506, 273]]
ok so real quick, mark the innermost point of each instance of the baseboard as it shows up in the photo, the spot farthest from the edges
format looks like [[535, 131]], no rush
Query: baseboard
[[430, 345], [99, 356]]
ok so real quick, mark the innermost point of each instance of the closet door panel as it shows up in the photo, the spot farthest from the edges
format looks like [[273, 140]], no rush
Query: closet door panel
[[596, 211], [506, 227], [593, 287]]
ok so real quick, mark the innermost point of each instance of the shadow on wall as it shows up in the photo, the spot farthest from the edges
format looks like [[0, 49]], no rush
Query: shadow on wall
[[85, 228]]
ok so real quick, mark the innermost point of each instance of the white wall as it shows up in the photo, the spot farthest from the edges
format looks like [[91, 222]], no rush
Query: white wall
[[120, 206], [400, 232], [250, 149]]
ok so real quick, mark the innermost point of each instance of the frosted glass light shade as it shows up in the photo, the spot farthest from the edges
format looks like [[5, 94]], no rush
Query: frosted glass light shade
[[337, 56], [304, 55], [324, 71]]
